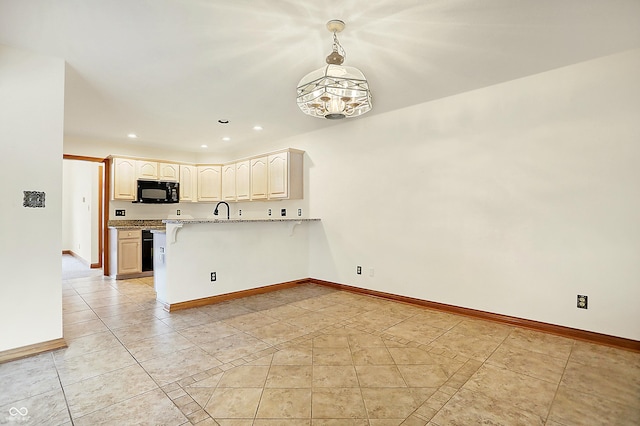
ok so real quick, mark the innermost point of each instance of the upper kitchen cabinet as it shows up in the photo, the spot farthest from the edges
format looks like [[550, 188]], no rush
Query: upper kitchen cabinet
[[188, 183], [169, 172], [153, 170], [146, 170], [277, 176], [274, 176], [209, 183], [124, 179], [243, 180], [285, 175], [229, 182], [259, 178]]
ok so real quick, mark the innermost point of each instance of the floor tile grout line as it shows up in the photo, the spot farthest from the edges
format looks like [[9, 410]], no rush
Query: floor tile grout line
[[64, 393], [564, 371]]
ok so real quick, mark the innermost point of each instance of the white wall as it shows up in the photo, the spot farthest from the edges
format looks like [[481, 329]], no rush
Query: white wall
[[243, 255], [67, 210], [31, 127], [74, 145], [80, 209], [512, 199]]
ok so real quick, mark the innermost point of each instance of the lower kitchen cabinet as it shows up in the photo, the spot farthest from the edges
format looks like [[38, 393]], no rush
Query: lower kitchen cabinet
[[125, 253]]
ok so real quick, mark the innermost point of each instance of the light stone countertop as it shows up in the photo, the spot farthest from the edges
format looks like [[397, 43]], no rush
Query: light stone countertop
[[128, 224], [238, 220]]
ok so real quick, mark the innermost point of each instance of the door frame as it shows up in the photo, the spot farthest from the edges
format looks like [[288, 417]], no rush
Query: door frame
[[103, 208]]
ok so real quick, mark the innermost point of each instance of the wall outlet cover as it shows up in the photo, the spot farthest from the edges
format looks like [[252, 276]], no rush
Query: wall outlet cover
[[121, 212], [583, 301], [283, 212]]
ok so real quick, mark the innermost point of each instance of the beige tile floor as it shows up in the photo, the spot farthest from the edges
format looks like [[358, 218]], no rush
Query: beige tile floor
[[306, 356]]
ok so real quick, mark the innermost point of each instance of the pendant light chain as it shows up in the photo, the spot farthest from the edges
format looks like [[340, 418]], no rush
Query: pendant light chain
[[337, 47]]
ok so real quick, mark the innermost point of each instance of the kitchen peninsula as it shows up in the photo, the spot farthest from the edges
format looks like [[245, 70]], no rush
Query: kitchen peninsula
[[198, 260]]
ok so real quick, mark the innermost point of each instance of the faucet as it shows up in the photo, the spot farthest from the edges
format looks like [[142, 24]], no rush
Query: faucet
[[215, 212]]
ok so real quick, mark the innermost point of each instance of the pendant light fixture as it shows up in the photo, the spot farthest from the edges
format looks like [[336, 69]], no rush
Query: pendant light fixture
[[334, 91]]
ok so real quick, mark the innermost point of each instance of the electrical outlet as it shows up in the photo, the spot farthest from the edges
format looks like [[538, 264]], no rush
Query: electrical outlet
[[119, 212], [177, 212], [213, 276], [283, 212], [269, 212], [239, 212], [359, 270], [299, 212], [583, 301]]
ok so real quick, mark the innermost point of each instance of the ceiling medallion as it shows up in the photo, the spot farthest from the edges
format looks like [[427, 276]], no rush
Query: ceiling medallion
[[334, 91]]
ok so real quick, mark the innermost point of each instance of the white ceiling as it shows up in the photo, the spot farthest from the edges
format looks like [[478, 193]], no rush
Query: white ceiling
[[169, 69]]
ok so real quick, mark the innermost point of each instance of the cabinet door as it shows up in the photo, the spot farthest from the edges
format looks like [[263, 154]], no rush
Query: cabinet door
[[259, 175], [188, 183], [209, 183], [124, 179], [146, 170], [169, 172], [129, 256], [229, 182], [243, 188], [279, 175]]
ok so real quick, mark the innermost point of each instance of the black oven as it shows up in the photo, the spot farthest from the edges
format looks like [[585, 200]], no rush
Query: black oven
[[150, 191], [147, 250]]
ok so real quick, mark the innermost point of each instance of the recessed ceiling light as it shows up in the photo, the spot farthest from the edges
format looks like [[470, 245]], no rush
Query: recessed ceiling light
[[203, 146], [132, 136], [257, 127], [226, 138]]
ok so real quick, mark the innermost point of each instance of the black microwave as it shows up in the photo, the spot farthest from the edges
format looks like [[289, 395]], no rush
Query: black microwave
[[150, 191]]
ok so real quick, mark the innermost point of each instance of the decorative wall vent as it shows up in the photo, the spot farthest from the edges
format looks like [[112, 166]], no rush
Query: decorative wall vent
[[33, 199]]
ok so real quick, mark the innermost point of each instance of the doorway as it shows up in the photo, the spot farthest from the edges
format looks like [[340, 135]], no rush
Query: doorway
[[83, 209]]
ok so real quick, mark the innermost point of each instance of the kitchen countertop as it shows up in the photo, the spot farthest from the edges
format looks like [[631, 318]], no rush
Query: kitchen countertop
[[151, 224], [238, 220]]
